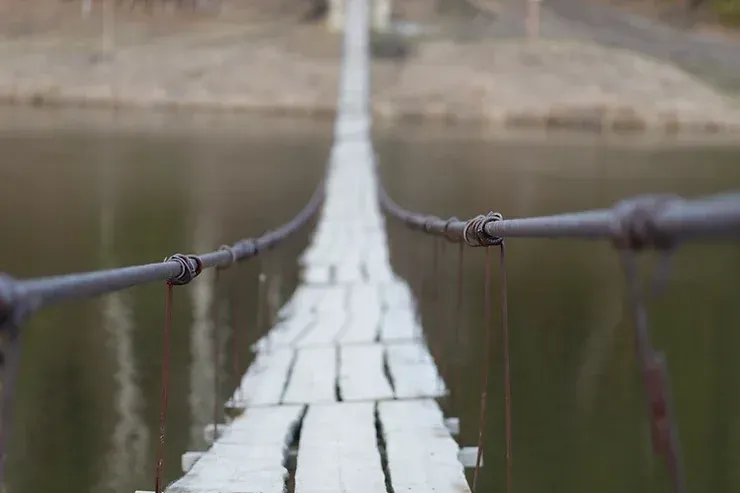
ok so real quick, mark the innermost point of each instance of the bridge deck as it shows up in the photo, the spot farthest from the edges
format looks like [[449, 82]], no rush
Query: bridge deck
[[345, 376]]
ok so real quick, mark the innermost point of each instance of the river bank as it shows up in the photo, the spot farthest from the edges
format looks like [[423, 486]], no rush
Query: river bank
[[242, 59]]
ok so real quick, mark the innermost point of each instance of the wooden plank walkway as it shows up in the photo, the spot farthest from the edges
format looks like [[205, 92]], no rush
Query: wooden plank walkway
[[345, 377]]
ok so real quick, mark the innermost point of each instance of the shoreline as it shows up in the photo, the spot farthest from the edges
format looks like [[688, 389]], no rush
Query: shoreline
[[106, 121], [595, 119]]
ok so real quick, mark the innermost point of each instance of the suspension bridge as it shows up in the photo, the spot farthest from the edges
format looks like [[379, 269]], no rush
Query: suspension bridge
[[343, 393]]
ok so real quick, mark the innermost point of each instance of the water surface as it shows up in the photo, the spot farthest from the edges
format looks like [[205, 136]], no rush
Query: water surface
[[85, 191]]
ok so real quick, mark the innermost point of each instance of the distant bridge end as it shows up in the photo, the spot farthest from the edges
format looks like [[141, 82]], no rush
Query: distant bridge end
[[381, 15]]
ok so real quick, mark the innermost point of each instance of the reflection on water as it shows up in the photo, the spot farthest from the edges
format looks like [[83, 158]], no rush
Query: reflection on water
[[87, 192], [128, 452], [203, 392], [578, 416], [129, 442]]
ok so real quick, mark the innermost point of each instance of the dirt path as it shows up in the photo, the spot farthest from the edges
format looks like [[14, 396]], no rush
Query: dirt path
[[712, 56]]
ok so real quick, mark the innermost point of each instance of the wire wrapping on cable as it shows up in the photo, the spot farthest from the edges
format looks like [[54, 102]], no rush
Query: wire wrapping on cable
[[190, 267], [232, 256], [635, 222], [475, 234]]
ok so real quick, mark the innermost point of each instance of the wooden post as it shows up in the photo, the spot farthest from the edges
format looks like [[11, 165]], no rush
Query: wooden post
[[533, 18], [381, 15], [336, 15], [109, 25]]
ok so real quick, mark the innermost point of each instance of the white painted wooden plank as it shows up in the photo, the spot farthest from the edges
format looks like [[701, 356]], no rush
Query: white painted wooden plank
[[304, 298], [413, 371], [468, 456], [364, 314], [422, 456], [378, 271], [335, 300], [248, 458], [349, 271], [313, 377], [363, 325], [188, 460], [376, 246], [315, 274], [329, 245], [287, 332], [362, 295], [396, 294], [361, 375], [338, 451], [265, 379], [346, 228], [320, 253], [211, 432], [325, 331], [453, 426], [399, 324]]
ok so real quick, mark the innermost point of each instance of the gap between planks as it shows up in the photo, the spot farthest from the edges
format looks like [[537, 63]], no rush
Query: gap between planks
[[311, 375], [344, 446]]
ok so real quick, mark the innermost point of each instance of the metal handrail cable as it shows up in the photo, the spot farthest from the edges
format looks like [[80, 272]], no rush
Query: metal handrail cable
[[640, 221]]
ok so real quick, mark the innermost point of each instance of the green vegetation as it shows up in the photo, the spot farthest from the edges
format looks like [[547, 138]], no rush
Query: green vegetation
[[728, 11]]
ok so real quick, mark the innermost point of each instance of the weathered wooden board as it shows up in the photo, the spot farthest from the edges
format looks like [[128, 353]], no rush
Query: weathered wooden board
[[363, 326], [287, 332], [313, 378], [397, 294], [249, 457], [335, 300], [362, 296], [349, 270], [325, 330], [338, 451], [328, 244], [363, 320], [316, 274], [264, 382], [303, 299], [361, 375], [399, 324], [378, 270], [413, 371], [422, 456]]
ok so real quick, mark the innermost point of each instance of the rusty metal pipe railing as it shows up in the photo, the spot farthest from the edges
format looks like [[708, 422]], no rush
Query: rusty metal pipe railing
[[638, 222]]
